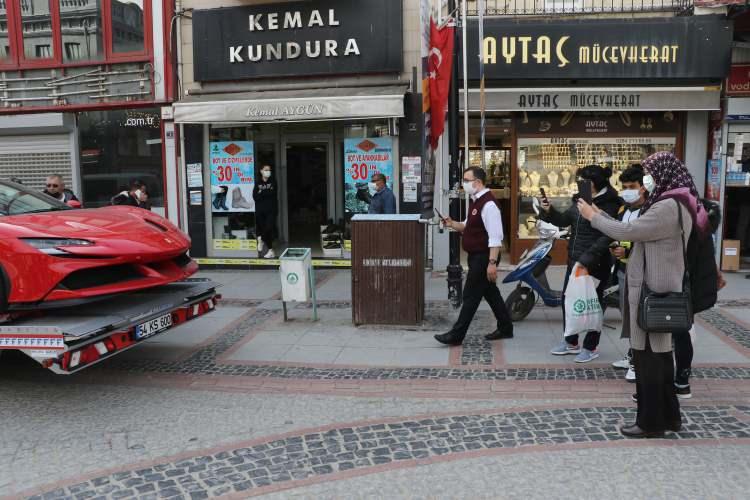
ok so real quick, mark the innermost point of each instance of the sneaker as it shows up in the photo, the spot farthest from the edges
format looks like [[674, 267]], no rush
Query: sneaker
[[565, 348], [683, 392], [586, 356], [630, 376], [622, 364], [269, 255]]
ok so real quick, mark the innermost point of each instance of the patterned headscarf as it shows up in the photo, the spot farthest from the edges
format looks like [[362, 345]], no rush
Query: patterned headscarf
[[673, 180]]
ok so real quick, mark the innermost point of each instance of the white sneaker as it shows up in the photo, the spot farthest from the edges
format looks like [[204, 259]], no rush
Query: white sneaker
[[630, 376], [622, 364], [270, 255]]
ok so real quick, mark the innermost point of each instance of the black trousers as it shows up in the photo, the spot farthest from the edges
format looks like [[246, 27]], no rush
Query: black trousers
[[591, 342], [658, 407], [683, 356], [477, 287], [265, 224]]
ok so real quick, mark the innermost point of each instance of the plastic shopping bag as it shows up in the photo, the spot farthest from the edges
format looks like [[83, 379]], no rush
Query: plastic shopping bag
[[583, 312]]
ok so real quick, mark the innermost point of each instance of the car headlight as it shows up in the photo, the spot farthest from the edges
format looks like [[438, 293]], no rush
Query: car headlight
[[51, 246]]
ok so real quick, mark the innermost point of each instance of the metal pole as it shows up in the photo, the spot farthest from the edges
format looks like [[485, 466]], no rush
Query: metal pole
[[455, 271], [465, 59]]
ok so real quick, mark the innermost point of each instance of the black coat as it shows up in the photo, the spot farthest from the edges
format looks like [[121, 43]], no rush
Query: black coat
[[264, 194], [587, 245]]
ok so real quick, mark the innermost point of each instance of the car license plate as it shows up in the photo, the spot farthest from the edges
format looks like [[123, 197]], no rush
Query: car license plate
[[152, 327]]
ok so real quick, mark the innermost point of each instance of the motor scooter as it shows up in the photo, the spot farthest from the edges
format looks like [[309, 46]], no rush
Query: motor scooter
[[531, 272]]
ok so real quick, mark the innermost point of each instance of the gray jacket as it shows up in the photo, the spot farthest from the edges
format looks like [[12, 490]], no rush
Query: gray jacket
[[656, 237]]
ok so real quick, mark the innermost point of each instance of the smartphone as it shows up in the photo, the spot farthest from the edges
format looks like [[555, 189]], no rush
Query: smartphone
[[544, 195], [439, 214], [584, 191]]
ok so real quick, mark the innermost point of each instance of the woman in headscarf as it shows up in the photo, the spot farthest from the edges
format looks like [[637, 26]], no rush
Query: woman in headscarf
[[657, 260]]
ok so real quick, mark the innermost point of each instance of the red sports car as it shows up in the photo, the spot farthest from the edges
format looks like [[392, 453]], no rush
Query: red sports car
[[52, 255]]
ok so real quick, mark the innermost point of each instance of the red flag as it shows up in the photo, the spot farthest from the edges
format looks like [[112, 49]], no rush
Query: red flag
[[439, 65]]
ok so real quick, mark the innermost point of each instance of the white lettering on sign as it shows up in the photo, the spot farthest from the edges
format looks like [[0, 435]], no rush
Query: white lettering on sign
[[281, 111], [387, 262], [292, 20], [291, 50]]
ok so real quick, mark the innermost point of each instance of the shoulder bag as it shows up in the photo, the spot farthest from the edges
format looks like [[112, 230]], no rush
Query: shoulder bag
[[670, 312]]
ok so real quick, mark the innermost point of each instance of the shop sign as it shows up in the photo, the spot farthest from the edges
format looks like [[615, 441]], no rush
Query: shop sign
[[299, 38], [689, 47], [738, 82], [559, 126], [362, 159], [232, 176], [593, 99]]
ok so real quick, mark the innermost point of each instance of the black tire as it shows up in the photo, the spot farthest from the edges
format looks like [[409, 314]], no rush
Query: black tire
[[520, 302]]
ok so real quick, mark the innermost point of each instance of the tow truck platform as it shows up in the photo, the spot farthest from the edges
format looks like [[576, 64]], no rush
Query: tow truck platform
[[69, 340]]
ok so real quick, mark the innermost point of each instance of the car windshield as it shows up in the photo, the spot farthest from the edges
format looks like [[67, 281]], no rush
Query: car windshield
[[16, 199]]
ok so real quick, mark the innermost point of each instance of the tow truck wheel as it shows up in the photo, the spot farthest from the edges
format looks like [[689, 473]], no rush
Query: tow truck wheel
[[520, 302]]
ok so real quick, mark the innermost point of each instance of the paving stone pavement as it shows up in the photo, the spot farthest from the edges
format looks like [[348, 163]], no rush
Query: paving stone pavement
[[318, 453]]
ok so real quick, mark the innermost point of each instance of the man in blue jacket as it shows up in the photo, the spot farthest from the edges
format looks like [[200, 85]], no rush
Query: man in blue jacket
[[383, 201]]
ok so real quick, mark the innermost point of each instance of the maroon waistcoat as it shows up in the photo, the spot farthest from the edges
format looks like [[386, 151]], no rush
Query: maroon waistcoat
[[475, 238]]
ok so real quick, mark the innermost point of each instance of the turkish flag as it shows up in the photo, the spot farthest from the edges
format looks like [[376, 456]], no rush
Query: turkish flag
[[439, 67]]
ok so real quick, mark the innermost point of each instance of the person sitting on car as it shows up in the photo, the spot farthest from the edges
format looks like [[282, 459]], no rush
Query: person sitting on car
[[55, 187], [136, 196]]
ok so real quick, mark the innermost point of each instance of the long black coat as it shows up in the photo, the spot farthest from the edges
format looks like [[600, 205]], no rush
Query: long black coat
[[587, 245]]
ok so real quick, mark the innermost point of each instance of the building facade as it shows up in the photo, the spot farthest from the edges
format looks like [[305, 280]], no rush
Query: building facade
[[82, 85], [325, 92]]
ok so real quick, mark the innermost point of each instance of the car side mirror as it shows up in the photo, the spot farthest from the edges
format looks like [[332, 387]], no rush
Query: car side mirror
[[73, 204]]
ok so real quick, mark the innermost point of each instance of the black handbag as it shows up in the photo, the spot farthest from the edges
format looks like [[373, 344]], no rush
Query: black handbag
[[670, 312]]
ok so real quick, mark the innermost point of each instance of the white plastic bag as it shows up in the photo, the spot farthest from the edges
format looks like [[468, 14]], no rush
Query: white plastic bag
[[583, 312]]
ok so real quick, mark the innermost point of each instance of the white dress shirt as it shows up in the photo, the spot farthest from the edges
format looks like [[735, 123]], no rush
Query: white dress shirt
[[493, 221]]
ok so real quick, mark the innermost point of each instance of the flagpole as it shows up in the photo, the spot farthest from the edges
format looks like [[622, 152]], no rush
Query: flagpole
[[480, 6]]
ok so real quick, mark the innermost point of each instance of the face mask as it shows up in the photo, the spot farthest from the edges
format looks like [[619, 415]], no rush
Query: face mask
[[630, 196], [372, 187], [266, 174], [469, 187], [649, 183], [138, 193]]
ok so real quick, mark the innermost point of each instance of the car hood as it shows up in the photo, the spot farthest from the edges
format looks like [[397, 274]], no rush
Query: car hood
[[114, 230]]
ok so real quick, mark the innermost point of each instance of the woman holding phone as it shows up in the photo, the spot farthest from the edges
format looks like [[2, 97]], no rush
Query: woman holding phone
[[587, 247]]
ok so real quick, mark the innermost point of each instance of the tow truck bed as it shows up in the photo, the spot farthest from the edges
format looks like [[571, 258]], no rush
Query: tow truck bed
[[68, 340]]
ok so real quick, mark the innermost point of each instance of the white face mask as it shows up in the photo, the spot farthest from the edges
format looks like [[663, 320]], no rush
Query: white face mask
[[649, 183], [469, 188], [266, 174], [630, 196], [138, 193], [372, 187]]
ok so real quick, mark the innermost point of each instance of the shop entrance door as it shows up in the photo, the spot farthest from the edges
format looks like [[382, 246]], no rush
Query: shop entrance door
[[307, 189]]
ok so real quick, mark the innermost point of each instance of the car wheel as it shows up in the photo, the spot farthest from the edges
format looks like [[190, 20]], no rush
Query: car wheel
[[520, 302]]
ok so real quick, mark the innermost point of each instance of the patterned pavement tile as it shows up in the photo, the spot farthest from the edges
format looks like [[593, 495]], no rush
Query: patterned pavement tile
[[314, 454]]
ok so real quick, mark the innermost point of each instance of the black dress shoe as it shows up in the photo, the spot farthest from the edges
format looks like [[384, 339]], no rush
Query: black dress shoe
[[498, 334], [450, 338], [633, 431]]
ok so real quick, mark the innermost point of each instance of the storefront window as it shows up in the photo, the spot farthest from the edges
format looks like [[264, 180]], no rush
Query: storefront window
[[81, 28], [36, 19], [551, 164], [118, 147], [128, 30]]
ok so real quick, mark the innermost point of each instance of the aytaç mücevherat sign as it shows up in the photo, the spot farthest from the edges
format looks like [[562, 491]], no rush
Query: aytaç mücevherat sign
[[324, 37]]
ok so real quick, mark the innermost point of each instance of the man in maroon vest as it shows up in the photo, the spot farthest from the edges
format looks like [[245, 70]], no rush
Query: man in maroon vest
[[482, 238]]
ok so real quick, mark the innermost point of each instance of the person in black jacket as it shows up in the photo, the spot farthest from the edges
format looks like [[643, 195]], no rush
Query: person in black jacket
[[266, 209], [587, 247], [135, 196]]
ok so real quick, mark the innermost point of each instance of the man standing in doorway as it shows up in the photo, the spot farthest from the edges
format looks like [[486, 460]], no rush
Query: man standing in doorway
[[383, 201], [482, 238]]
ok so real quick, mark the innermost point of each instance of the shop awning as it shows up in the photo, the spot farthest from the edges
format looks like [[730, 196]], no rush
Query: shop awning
[[293, 105], [596, 99]]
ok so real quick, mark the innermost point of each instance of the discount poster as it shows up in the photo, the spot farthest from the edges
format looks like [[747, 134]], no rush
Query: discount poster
[[362, 159], [232, 176]]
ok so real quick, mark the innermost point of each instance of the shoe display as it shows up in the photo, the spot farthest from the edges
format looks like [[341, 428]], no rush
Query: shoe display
[[332, 246], [450, 338], [633, 431], [630, 376], [500, 334], [586, 356], [239, 201], [565, 348], [683, 392], [622, 364]]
